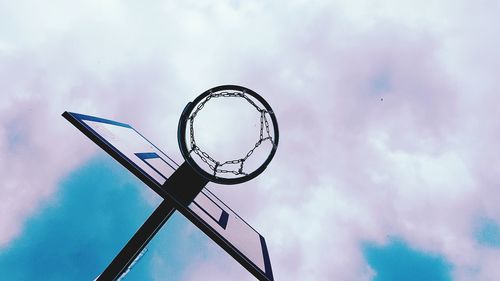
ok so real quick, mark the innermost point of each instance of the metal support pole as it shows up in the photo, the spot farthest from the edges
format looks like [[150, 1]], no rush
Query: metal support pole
[[184, 184]]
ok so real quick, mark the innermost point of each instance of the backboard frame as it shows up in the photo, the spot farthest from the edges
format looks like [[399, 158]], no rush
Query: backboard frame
[[78, 120]]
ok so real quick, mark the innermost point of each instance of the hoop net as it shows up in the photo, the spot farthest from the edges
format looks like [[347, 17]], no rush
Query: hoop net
[[233, 167]]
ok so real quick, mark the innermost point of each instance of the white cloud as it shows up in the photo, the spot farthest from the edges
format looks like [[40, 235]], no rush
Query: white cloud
[[421, 164]]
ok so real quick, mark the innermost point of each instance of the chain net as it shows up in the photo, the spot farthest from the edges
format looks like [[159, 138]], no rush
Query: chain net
[[218, 166]]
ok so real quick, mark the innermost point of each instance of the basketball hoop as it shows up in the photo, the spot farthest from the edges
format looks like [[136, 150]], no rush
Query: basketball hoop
[[229, 171]]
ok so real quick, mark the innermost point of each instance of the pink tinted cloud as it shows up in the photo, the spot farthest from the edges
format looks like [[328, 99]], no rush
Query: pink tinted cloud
[[38, 147]]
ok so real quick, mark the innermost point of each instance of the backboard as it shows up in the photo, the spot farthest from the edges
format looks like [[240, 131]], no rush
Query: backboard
[[153, 167]]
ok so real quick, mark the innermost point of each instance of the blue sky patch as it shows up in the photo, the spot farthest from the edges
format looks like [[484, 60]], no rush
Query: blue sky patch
[[15, 135], [98, 208], [488, 233], [381, 83], [397, 261]]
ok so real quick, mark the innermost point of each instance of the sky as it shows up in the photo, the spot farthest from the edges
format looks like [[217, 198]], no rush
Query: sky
[[388, 166]]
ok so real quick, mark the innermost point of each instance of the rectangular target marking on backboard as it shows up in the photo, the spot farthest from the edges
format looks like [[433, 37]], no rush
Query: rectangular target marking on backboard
[[155, 162], [208, 207], [154, 167]]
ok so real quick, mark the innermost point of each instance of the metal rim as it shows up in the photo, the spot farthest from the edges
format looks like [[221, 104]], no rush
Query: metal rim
[[181, 133]]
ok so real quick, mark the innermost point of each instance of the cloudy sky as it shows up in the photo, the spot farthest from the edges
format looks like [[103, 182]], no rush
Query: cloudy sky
[[388, 166]]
